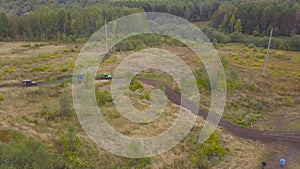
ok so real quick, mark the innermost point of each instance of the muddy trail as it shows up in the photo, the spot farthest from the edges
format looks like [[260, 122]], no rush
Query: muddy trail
[[290, 139]]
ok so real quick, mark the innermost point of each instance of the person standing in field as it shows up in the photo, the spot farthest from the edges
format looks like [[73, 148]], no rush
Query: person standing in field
[[282, 163], [263, 165]]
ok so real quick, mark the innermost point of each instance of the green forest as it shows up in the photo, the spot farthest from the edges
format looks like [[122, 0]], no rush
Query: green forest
[[229, 21]]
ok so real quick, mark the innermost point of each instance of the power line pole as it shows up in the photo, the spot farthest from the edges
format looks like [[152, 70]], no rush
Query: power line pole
[[106, 36], [265, 66]]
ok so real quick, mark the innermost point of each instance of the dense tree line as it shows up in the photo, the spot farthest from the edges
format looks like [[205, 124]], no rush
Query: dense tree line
[[66, 22], [59, 23], [258, 18], [251, 17]]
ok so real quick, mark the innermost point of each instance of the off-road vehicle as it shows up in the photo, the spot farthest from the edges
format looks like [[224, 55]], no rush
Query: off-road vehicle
[[28, 83]]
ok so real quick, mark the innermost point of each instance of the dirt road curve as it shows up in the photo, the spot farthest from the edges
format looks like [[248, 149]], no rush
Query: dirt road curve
[[290, 139]]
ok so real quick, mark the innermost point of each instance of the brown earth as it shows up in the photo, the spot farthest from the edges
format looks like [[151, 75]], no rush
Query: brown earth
[[291, 140]]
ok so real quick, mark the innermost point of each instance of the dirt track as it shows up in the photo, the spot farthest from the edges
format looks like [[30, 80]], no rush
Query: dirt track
[[290, 139]]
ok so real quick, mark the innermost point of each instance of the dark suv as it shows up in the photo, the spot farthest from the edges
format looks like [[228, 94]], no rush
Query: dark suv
[[28, 83]]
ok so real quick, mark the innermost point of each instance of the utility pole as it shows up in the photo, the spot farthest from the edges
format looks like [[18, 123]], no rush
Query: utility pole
[[106, 36], [265, 66]]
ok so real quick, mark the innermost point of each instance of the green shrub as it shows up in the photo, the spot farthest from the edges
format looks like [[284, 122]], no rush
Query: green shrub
[[26, 45], [260, 55], [103, 98], [39, 44], [252, 46], [73, 152], [282, 46], [1, 97], [66, 106], [225, 62], [212, 34], [260, 41], [206, 154], [58, 55], [135, 85], [10, 69], [24, 153], [109, 61], [288, 101], [248, 54], [41, 69], [47, 114], [147, 95], [68, 50], [251, 86], [2, 72], [25, 66], [202, 78], [233, 80], [62, 68], [235, 56], [295, 42], [80, 40], [255, 33], [247, 119], [279, 53], [237, 37]]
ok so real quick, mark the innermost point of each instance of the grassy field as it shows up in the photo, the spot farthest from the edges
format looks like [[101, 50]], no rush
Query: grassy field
[[46, 112]]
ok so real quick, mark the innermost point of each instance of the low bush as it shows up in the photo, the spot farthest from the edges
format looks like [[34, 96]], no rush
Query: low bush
[[103, 98], [206, 154], [68, 50], [288, 101], [247, 119], [26, 45], [233, 81], [202, 78], [237, 37], [295, 42], [225, 62], [62, 68], [279, 53], [41, 69], [47, 114], [212, 34], [135, 85], [80, 40], [1, 97], [109, 61], [24, 153], [10, 69], [248, 54], [73, 152], [147, 95], [66, 106], [252, 46], [260, 55], [259, 41]]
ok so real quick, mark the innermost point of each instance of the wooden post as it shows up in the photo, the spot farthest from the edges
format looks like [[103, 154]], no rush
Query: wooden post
[[106, 37], [265, 66]]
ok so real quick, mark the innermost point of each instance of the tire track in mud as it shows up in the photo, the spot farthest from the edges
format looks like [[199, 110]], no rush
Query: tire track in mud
[[290, 139]]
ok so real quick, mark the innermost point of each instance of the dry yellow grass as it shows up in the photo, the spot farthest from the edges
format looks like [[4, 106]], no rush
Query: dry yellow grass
[[20, 110], [243, 154]]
